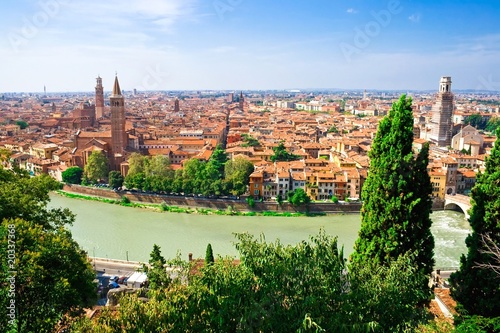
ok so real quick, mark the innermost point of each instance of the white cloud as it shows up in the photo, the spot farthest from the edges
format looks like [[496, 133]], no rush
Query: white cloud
[[351, 11], [415, 18]]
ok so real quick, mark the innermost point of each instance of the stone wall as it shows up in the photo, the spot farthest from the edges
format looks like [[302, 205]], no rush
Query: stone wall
[[222, 204]]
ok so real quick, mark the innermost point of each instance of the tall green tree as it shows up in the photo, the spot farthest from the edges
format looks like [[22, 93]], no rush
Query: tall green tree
[[72, 175], [97, 167], [475, 286], [209, 255], [50, 276], [157, 274], [396, 197]]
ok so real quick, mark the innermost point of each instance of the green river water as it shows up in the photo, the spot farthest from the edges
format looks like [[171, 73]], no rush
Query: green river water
[[115, 232]]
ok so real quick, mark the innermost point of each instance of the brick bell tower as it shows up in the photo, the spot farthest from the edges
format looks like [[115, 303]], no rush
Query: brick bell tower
[[119, 137], [99, 98]]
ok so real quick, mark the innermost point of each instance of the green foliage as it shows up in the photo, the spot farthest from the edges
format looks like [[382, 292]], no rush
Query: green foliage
[[335, 199], [22, 124], [249, 141], [209, 255], [275, 288], [251, 202], [473, 278], [281, 154], [97, 167], [477, 121], [279, 199], [237, 175], [115, 179], [158, 277], [124, 200], [298, 197], [333, 129], [477, 324], [72, 175], [396, 198], [493, 124], [388, 297], [53, 276]]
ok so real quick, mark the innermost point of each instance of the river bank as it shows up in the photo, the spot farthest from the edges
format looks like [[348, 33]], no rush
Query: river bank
[[163, 207], [190, 204]]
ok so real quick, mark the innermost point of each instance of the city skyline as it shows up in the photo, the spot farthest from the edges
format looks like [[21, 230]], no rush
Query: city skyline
[[248, 45]]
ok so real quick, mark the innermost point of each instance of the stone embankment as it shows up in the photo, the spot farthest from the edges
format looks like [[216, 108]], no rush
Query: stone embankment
[[220, 204]]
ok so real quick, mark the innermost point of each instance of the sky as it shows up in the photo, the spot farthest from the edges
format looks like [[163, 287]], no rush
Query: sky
[[248, 44]]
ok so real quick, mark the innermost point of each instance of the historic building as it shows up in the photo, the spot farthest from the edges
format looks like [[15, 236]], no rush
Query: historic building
[[442, 112], [112, 143], [99, 99]]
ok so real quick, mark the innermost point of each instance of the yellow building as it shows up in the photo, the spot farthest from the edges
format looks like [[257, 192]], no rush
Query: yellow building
[[438, 181]]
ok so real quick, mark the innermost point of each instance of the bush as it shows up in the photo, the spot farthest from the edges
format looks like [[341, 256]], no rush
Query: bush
[[251, 202], [125, 200]]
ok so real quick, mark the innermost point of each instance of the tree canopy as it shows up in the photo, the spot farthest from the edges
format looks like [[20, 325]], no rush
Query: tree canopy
[[396, 197], [72, 175], [281, 154], [50, 275], [475, 286], [97, 167]]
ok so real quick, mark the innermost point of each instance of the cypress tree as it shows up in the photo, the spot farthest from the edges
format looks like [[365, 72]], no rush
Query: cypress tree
[[396, 197], [475, 286], [209, 255]]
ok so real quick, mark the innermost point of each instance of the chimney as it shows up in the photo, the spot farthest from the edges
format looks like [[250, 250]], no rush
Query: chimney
[[190, 256]]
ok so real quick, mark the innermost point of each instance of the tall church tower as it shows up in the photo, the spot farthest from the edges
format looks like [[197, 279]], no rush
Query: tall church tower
[[242, 100], [99, 99], [442, 112], [118, 134], [176, 105]]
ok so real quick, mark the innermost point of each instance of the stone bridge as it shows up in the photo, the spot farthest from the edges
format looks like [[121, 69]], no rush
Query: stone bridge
[[457, 201]]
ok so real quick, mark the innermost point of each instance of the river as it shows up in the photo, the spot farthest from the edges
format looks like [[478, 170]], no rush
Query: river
[[117, 232]]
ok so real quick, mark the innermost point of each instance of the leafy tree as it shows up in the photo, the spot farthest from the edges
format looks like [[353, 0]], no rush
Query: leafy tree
[[158, 166], [53, 275], [249, 141], [279, 199], [474, 286], [251, 202], [209, 255], [135, 181], [281, 154], [299, 197], [237, 174], [22, 124], [158, 277], [97, 166], [115, 179], [384, 296], [333, 129], [335, 199], [218, 161], [136, 163], [477, 121], [396, 197], [493, 124], [72, 175]]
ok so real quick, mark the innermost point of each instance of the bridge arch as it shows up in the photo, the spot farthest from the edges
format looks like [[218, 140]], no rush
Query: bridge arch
[[458, 203]]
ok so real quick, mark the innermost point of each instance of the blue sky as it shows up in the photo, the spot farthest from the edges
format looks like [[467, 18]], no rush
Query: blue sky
[[248, 44]]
